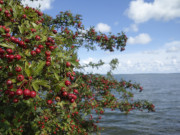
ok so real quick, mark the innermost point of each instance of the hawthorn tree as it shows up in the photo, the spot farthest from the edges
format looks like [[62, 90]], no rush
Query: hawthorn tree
[[41, 90]]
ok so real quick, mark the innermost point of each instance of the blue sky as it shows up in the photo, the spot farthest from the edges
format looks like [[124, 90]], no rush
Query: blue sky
[[152, 28]]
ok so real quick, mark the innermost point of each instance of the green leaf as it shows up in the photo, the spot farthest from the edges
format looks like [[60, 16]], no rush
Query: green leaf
[[56, 75], [20, 29], [5, 45], [39, 68], [43, 83], [27, 69], [35, 86]]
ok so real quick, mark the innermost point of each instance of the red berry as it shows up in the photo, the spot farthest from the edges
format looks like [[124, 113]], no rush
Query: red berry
[[64, 94], [71, 78], [67, 83], [11, 93], [21, 43], [16, 40], [51, 48], [48, 63], [37, 37], [33, 94], [68, 64], [68, 74], [15, 100], [7, 30], [63, 89], [13, 39], [33, 53], [8, 35], [49, 39], [38, 50], [33, 30], [18, 69], [9, 82], [48, 43], [11, 57], [1, 2], [72, 100], [19, 92], [6, 12], [20, 78], [49, 102], [2, 51], [27, 40], [9, 51], [40, 46], [54, 31], [18, 57], [47, 53], [75, 91], [26, 92], [24, 16], [48, 58]]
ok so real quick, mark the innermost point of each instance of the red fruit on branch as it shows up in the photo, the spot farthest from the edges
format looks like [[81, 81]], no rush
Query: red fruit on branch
[[24, 16], [71, 78], [6, 12], [48, 58], [37, 38], [9, 51], [72, 100], [20, 78], [47, 53], [18, 69], [1, 2], [63, 89], [8, 35], [40, 46], [33, 30], [33, 94], [18, 57], [68, 64], [54, 31], [75, 91], [11, 93], [49, 102], [38, 50], [19, 92], [7, 30], [48, 63], [64, 94], [11, 57], [58, 99], [67, 83], [15, 100], [26, 92], [9, 82], [33, 53], [68, 74]]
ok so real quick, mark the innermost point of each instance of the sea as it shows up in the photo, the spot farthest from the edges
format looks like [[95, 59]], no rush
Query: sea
[[163, 90]]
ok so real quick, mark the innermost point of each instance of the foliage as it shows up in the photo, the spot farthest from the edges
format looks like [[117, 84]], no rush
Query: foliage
[[40, 92]]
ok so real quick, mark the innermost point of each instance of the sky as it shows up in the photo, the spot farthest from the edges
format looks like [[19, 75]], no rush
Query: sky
[[152, 28]]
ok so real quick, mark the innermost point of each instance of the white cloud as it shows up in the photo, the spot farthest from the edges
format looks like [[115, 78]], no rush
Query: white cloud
[[155, 61], [132, 27], [141, 11], [103, 27], [173, 46], [44, 4], [142, 38], [86, 61]]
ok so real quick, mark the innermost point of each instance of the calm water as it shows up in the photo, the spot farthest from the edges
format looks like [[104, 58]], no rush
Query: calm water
[[161, 89]]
